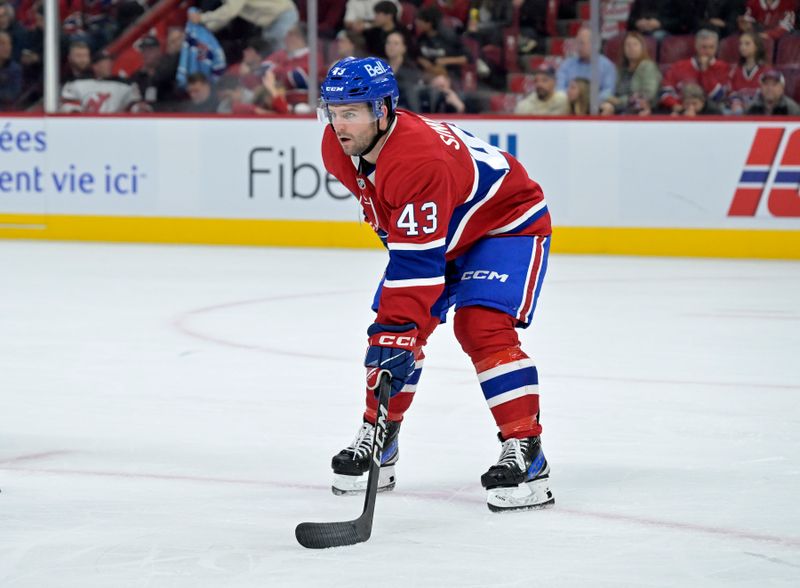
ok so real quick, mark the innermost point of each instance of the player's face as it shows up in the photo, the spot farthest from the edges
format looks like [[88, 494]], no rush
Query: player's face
[[354, 125]]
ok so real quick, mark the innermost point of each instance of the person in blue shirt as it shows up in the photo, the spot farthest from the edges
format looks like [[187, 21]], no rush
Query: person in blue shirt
[[580, 66]]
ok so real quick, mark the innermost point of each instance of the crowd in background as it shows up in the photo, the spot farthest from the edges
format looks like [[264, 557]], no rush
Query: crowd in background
[[677, 57]]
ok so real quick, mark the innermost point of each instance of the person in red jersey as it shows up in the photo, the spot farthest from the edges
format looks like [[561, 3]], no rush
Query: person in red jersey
[[745, 75], [773, 18], [704, 69], [465, 227]]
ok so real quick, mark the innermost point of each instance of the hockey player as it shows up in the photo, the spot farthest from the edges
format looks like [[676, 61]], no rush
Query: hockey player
[[464, 227]]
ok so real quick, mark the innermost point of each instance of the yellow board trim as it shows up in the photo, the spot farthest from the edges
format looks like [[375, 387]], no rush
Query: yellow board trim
[[742, 243]]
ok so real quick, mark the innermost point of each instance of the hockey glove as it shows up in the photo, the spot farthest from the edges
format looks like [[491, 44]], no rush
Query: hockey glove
[[391, 349]]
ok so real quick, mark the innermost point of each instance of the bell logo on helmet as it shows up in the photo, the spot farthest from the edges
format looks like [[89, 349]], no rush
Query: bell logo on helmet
[[375, 70]]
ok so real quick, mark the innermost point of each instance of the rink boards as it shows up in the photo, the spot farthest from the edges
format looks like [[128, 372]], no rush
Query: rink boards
[[663, 187]]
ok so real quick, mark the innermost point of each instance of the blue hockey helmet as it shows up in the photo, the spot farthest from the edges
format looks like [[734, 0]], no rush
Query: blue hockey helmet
[[367, 79]]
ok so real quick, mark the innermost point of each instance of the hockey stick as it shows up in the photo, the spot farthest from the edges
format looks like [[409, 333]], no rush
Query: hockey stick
[[322, 535]]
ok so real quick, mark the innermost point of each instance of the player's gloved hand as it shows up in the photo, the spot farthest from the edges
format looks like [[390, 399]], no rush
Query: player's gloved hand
[[391, 349]]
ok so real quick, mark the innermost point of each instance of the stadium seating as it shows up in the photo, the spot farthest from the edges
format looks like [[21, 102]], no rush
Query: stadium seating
[[676, 48], [788, 50], [791, 74]]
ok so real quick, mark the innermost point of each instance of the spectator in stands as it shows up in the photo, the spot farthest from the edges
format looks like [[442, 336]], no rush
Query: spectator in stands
[[16, 32], [440, 97], [532, 25], [170, 95], [201, 53], [771, 99], [348, 44], [248, 70], [580, 66], [437, 47], [703, 69], [360, 14], [202, 98], [614, 17], [269, 98], [31, 58], [545, 100], [492, 17], [745, 76], [273, 17], [101, 94], [771, 18], [291, 64], [695, 103], [145, 78], [10, 73], [79, 62], [233, 97], [455, 11], [578, 96], [659, 18], [485, 29], [407, 74], [638, 79], [385, 22], [330, 16], [722, 16]]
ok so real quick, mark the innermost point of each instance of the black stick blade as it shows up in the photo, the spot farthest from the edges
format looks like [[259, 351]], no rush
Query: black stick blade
[[324, 535]]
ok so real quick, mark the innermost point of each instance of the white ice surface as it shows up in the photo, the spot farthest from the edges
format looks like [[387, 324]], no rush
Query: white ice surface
[[168, 414]]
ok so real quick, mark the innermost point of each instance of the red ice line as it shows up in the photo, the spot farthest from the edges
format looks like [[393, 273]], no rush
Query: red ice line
[[181, 324], [32, 456], [439, 496]]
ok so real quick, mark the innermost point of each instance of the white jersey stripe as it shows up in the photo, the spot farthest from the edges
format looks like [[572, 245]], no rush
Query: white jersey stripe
[[513, 224], [411, 388], [410, 283], [512, 395], [417, 246], [527, 279], [540, 242], [505, 369]]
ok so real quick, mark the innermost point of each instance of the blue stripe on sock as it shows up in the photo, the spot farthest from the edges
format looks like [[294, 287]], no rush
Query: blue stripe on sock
[[516, 379]]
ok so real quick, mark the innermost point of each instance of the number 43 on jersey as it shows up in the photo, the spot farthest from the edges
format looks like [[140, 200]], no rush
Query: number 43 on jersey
[[426, 213]]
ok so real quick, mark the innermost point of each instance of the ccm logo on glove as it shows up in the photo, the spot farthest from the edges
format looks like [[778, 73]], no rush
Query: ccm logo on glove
[[397, 341]]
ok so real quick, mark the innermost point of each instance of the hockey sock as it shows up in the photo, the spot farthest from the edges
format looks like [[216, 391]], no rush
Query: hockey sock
[[508, 377]]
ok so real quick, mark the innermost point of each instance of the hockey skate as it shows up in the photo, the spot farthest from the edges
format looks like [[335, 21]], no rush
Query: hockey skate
[[520, 480], [351, 465]]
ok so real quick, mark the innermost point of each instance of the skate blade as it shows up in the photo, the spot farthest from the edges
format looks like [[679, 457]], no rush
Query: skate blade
[[532, 495], [353, 485]]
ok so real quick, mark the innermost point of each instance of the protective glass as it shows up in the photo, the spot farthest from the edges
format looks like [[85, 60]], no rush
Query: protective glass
[[356, 113]]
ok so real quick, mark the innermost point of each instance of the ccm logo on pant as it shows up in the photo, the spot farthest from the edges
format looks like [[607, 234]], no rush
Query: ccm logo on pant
[[484, 275], [396, 341]]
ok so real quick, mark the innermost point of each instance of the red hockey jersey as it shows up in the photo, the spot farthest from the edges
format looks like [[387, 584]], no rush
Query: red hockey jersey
[[714, 80], [775, 17], [433, 193], [745, 82]]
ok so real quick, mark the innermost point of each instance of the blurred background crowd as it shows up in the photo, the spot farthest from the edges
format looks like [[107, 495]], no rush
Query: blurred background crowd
[[676, 57]]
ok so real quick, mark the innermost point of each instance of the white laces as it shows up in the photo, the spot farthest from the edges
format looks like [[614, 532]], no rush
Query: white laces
[[362, 444], [511, 454]]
